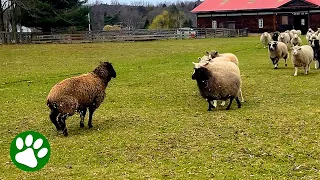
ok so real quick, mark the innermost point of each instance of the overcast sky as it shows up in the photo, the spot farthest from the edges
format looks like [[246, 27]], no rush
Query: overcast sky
[[155, 2]]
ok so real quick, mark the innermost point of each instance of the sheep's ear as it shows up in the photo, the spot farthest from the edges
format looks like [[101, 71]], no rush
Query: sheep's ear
[[207, 52], [216, 53], [299, 48], [199, 58], [194, 63]]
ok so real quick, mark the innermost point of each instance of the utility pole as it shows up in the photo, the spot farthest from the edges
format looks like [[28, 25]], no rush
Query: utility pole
[[89, 21]]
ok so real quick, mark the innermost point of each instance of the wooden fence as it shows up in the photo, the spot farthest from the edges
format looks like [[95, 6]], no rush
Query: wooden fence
[[120, 35]]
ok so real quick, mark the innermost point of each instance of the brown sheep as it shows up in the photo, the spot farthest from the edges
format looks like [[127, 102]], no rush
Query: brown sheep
[[77, 94]]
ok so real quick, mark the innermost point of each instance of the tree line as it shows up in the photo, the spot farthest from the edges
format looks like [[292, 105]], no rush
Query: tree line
[[72, 15]]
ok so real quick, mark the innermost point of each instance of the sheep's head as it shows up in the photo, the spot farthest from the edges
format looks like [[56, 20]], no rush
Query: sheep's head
[[296, 50], [265, 34], [272, 45], [204, 59], [295, 36], [310, 30], [281, 35], [212, 54], [105, 71], [315, 43], [200, 73]]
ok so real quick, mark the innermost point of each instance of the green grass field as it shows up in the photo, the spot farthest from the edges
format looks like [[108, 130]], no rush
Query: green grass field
[[153, 123]]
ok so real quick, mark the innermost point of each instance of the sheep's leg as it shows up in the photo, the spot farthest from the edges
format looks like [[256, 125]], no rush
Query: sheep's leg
[[295, 71], [242, 99], [62, 122], [91, 111], [231, 99], [238, 102], [306, 69], [82, 116], [215, 103], [210, 105], [285, 61], [53, 116], [316, 64], [223, 103]]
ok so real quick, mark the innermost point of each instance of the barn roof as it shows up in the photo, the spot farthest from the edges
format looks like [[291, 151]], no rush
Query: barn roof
[[232, 5]]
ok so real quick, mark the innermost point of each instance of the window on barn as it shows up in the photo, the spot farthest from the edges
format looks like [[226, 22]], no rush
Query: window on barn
[[214, 24], [260, 21], [285, 20], [303, 22]]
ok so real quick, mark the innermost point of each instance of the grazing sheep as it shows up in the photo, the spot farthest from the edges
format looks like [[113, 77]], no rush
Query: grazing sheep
[[296, 40], [316, 52], [79, 93], [275, 35], [213, 54], [276, 51], [285, 38], [218, 80], [302, 56], [265, 38]]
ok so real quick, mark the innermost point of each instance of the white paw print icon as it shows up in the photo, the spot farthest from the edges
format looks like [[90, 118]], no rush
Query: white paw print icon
[[30, 152]]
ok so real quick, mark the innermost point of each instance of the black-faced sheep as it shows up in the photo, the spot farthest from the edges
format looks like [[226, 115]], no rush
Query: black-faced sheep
[[265, 38], [276, 51], [275, 35], [316, 52], [218, 81], [302, 56], [206, 59], [233, 58], [77, 94]]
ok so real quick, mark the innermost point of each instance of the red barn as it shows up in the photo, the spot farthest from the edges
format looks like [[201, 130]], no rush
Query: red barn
[[259, 15]]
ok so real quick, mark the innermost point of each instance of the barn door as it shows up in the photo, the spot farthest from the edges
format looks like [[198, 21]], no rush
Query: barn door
[[301, 23]]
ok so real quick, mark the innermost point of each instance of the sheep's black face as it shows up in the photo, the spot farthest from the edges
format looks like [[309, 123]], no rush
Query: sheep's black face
[[200, 74], [275, 36], [111, 71]]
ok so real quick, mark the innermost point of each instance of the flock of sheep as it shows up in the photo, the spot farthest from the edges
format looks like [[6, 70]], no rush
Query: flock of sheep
[[217, 75], [280, 45]]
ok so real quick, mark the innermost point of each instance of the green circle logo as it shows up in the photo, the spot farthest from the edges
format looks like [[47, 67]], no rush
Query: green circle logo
[[30, 151]]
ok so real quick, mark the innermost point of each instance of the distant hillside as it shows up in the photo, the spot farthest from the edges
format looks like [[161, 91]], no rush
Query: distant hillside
[[136, 16]]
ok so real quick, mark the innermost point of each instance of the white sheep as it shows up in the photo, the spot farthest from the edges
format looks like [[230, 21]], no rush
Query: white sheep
[[302, 56], [219, 80], [296, 40], [285, 38], [265, 38], [206, 59], [277, 50], [299, 32]]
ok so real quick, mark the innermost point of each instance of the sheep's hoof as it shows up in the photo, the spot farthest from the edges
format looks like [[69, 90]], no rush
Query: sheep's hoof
[[286, 65], [65, 133], [275, 67], [81, 125], [90, 125]]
